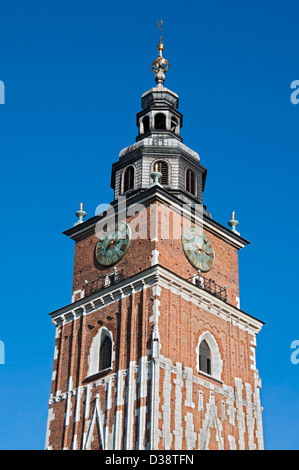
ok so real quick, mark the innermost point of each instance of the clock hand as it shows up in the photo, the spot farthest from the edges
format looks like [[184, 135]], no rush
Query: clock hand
[[199, 248]]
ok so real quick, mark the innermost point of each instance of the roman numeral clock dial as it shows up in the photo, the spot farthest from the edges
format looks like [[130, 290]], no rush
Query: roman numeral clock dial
[[113, 244], [198, 249]]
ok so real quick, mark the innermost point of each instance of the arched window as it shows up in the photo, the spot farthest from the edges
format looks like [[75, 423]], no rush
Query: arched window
[[190, 182], [145, 123], [208, 356], [160, 121], [204, 357], [101, 354], [163, 169], [105, 354], [128, 178]]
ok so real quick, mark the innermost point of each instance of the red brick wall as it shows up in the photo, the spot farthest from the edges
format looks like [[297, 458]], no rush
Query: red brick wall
[[181, 323], [171, 254], [127, 320]]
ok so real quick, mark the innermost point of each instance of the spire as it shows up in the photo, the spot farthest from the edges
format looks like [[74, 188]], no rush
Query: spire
[[160, 65]]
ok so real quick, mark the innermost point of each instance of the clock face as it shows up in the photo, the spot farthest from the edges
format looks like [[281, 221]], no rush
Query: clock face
[[198, 249], [113, 244]]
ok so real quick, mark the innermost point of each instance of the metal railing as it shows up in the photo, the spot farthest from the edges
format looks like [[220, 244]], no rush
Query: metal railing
[[210, 286], [102, 282]]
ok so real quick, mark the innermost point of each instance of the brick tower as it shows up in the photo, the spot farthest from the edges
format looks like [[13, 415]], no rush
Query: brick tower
[[154, 351]]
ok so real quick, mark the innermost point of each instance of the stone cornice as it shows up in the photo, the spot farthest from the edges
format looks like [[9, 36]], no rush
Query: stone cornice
[[159, 194], [208, 302], [157, 275], [162, 145], [93, 302]]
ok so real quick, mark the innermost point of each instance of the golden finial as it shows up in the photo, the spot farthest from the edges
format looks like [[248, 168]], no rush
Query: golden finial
[[156, 167], [160, 65], [233, 215], [81, 206]]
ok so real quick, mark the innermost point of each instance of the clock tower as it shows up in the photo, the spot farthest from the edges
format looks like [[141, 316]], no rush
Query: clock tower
[[154, 351]]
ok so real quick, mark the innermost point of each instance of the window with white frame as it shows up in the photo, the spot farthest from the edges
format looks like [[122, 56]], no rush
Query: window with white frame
[[101, 354], [208, 356]]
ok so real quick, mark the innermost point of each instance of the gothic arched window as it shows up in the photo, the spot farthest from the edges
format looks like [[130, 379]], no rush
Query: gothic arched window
[[101, 354], [204, 357], [160, 121], [105, 354], [190, 182], [163, 169], [128, 178]]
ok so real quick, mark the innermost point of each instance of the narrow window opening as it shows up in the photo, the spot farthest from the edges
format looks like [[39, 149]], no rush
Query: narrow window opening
[[129, 178], [173, 124], [190, 182], [205, 357], [145, 124], [160, 121], [105, 354], [163, 169]]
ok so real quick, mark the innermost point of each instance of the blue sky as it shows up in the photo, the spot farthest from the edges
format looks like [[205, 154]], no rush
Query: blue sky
[[74, 73]]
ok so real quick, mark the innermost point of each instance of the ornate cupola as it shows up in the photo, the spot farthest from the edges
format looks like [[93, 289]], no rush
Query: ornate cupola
[[159, 117], [159, 145]]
